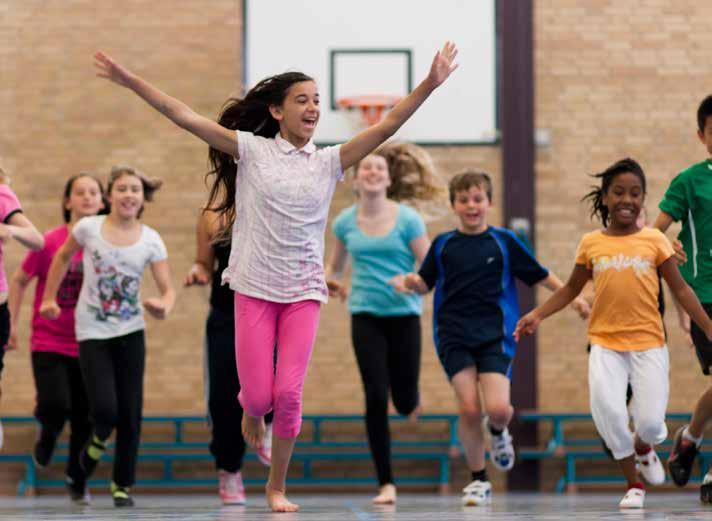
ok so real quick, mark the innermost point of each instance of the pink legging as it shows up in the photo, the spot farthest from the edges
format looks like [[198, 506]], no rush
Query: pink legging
[[258, 324]]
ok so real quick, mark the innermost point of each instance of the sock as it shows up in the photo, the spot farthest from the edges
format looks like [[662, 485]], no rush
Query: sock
[[96, 448], [689, 437], [494, 430], [639, 485], [643, 452], [480, 475]]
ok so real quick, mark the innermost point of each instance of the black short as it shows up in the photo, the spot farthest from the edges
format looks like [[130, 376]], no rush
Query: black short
[[703, 347], [489, 358], [4, 331]]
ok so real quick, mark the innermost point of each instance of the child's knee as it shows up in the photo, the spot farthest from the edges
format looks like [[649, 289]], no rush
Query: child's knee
[[471, 414], [499, 415], [651, 430], [255, 403]]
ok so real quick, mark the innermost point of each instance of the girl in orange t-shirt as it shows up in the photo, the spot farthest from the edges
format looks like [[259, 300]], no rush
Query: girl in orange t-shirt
[[625, 329]]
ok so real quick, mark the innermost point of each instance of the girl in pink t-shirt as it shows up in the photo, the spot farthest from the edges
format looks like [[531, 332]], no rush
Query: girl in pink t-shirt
[[277, 185], [58, 380], [13, 225]]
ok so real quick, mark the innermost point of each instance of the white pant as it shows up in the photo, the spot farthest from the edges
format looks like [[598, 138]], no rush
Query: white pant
[[609, 372]]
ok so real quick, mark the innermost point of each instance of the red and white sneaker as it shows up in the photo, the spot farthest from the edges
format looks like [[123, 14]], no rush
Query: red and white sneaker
[[264, 453], [232, 490], [650, 467]]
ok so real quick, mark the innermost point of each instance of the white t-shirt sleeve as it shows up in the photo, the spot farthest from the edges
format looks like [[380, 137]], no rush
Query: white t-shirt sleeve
[[245, 145], [83, 229], [156, 247], [335, 169]]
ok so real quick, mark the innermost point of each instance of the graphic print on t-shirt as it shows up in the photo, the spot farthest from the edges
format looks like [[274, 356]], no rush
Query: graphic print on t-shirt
[[621, 262], [68, 292], [118, 292]]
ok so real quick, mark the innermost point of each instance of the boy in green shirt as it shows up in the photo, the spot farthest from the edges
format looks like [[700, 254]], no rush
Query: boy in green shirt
[[689, 199]]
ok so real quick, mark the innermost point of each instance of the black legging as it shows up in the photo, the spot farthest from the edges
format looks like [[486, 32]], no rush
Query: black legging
[[388, 355], [61, 396], [227, 445], [113, 373]]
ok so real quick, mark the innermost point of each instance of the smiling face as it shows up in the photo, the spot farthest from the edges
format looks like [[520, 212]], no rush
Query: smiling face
[[126, 196], [624, 200], [471, 206], [299, 113], [85, 198], [372, 176]]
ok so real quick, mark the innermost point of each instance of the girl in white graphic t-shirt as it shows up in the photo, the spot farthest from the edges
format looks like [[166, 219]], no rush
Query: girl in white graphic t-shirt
[[272, 180], [109, 322]]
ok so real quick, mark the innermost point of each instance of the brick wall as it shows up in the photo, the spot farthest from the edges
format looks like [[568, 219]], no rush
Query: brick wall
[[612, 79]]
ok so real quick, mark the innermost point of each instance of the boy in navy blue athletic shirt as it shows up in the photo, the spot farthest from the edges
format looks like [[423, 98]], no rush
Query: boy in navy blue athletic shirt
[[475, 313]]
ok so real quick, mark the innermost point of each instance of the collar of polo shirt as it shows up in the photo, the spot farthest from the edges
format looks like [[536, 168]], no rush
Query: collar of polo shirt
[[286, 147]]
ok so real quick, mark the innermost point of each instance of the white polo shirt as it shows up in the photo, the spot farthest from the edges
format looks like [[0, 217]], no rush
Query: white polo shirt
[[282, 202]]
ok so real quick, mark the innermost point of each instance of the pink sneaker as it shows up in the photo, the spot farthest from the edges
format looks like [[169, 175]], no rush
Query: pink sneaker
[[265, 452], [232, 491]]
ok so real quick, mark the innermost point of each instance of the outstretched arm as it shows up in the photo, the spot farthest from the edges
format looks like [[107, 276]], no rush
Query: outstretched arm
[[561, 298], [685, 296], [365, 142], [178, 112]]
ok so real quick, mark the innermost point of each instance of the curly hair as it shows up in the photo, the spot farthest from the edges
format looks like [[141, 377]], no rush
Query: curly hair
[[595, 196]]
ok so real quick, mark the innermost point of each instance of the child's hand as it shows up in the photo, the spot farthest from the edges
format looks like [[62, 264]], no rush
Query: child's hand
[[399, 284], [442, 65], [581, 306], [527, 325], [155, 307], [49, 309], [197, 275], [111, 70], [5, 233], [337, 289], [12, 339], [680, 255], [414, 283]]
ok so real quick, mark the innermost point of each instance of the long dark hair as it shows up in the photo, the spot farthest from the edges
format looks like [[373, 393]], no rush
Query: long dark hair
[[250, 114], [67, 214], [595, 196]]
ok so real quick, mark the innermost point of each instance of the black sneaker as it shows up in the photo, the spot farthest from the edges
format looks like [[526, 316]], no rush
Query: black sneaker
[[682, 456], [44, 447], [706, 489], [90, 456], [121, 496], [78, 492]]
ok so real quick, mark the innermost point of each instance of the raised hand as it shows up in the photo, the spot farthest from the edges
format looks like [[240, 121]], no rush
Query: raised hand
[[527, 325], [107, 68], [155, 307], [198, 275], [337, 289], [443, 65], [49, 309]]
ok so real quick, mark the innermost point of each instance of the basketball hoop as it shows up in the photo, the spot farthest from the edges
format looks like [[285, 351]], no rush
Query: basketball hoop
[[371, 106]]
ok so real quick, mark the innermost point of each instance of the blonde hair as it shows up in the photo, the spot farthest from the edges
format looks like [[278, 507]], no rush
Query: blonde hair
[[414, 179]]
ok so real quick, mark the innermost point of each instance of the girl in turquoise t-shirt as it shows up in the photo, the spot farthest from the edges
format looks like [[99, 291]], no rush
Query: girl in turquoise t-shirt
[[384, 238]]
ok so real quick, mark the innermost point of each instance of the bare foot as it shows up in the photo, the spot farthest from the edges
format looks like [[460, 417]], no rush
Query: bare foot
[[386, 495], [253, 430], [277, 500]]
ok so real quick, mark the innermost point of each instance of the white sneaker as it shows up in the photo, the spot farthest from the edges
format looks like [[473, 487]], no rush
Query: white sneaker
[[634, 498], [232, 490], [264, 453], [502, 450], [651, 468], [477, 493]]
